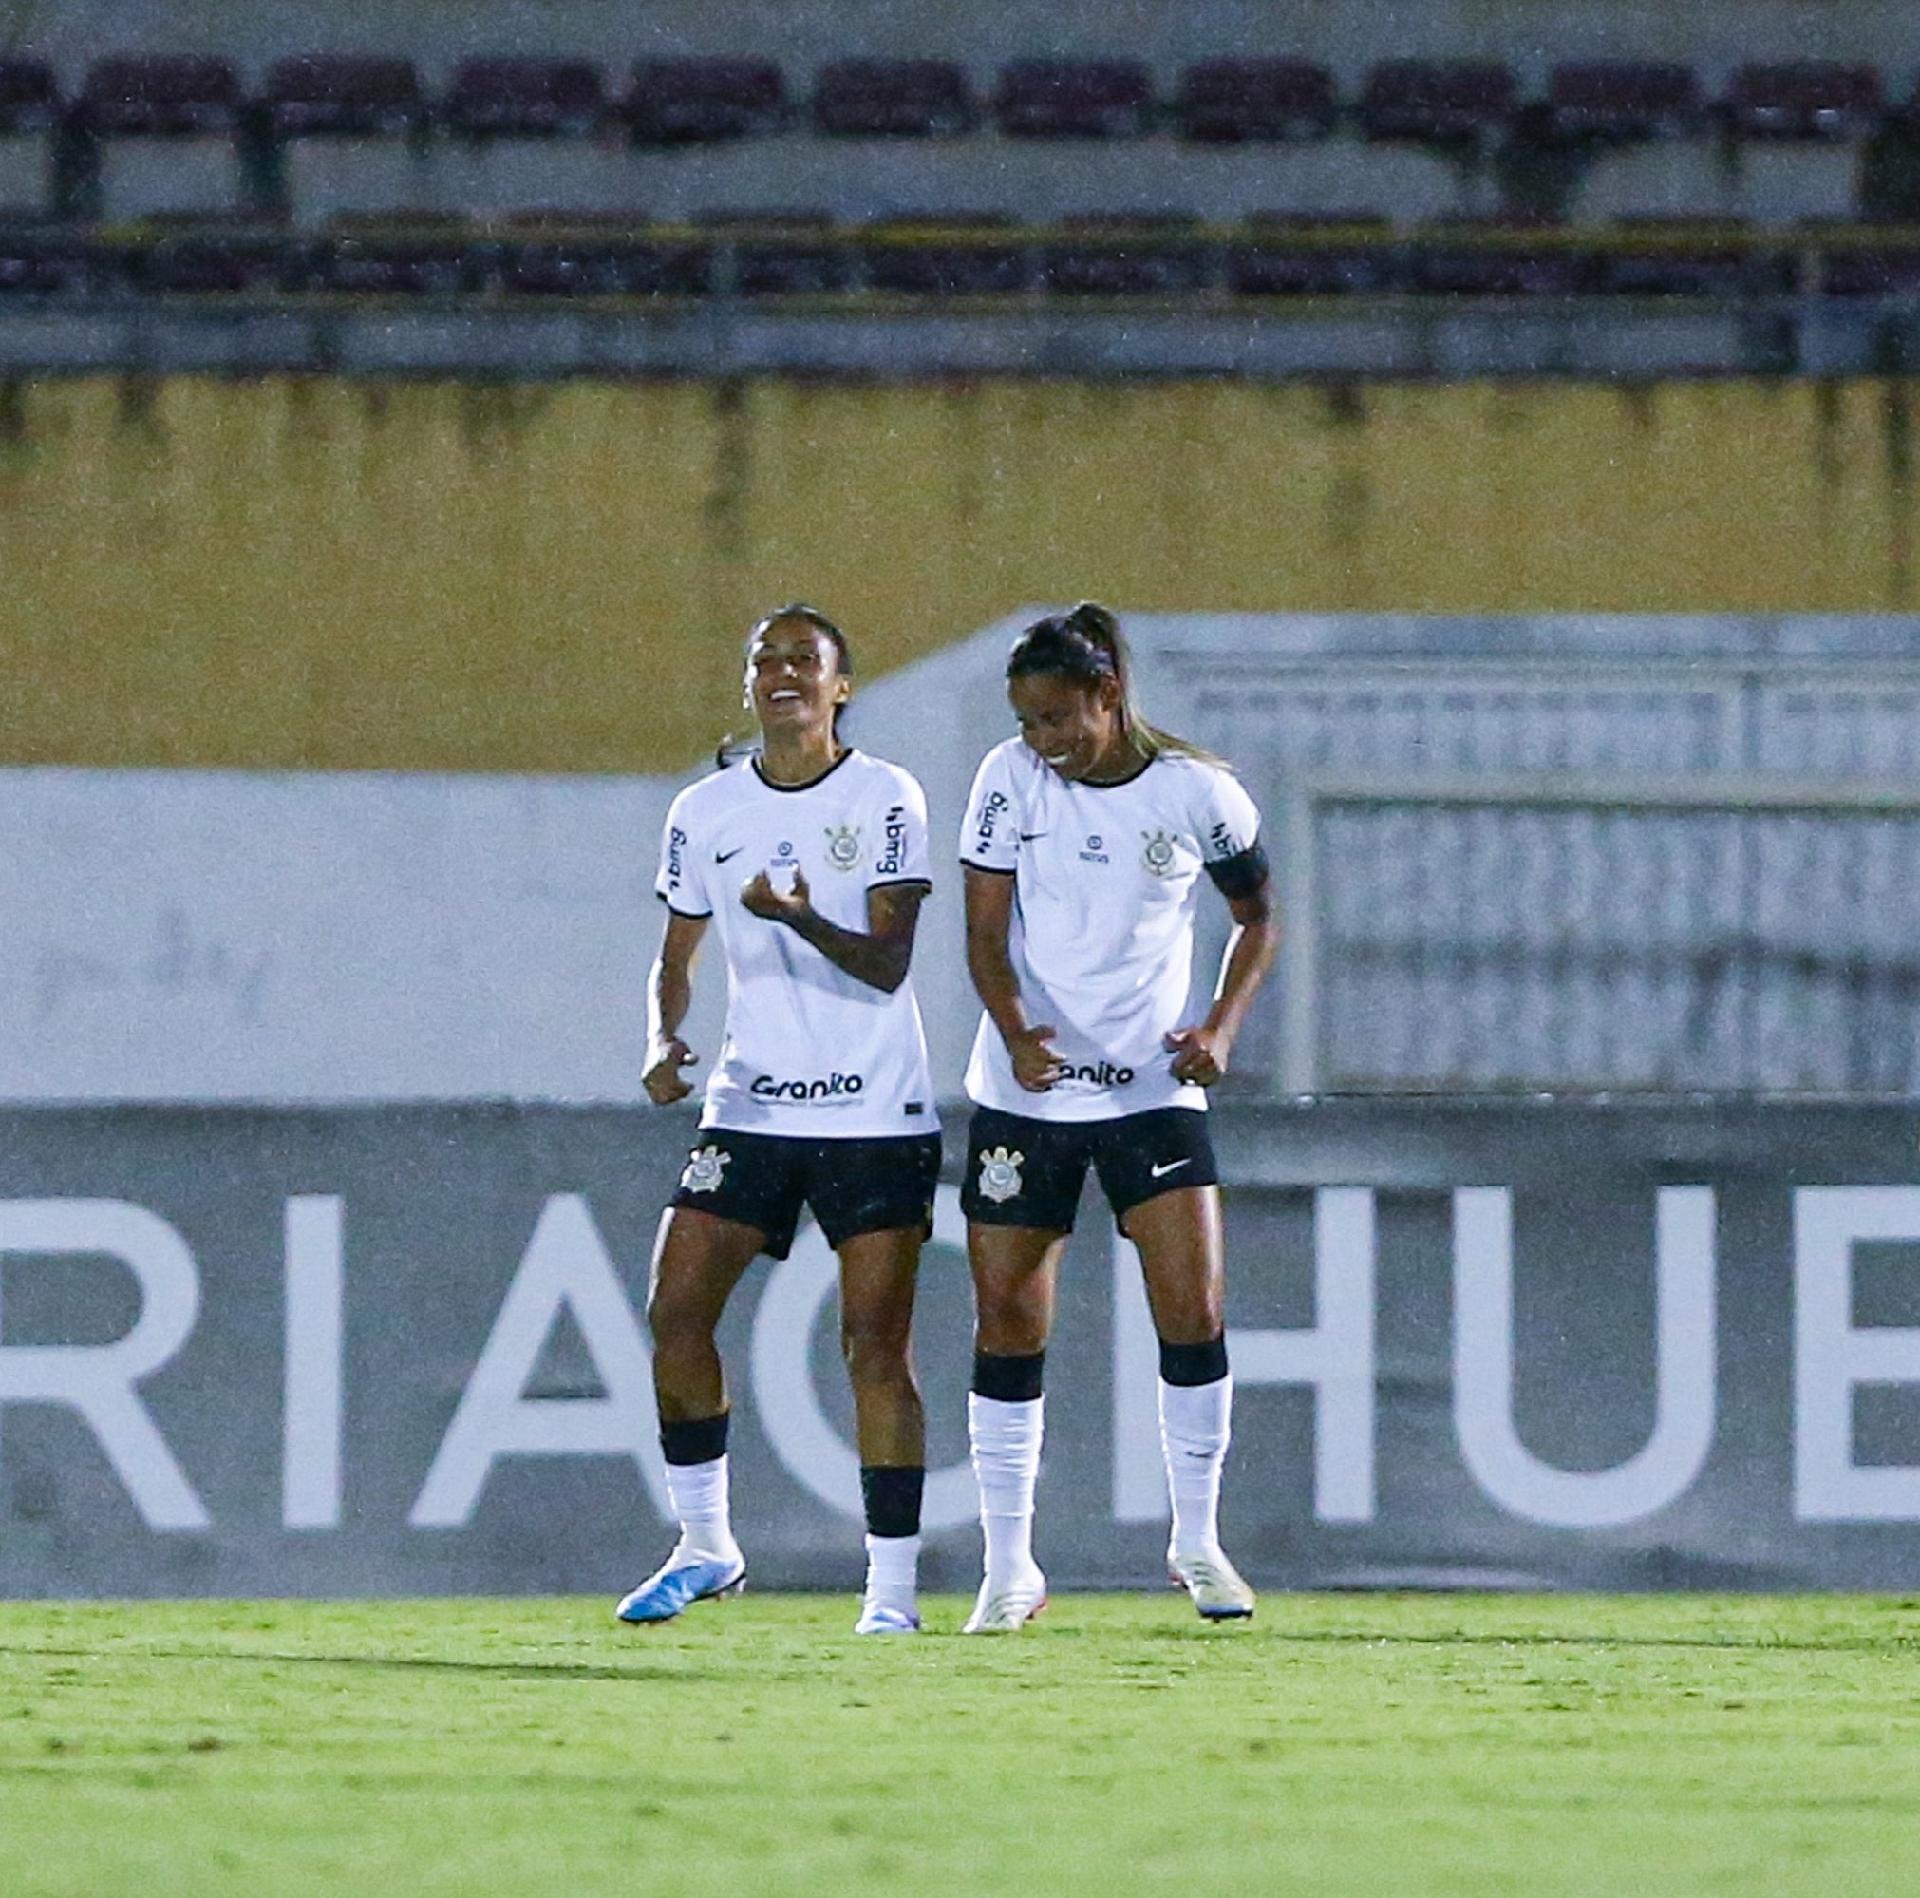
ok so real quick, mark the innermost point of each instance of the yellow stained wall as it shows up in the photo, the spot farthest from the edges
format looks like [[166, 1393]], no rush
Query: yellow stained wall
[[435, 575]]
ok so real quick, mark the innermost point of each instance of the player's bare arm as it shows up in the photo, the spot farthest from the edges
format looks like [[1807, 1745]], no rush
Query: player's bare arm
[[880, 957], [989, 913], [669, 996], [1202, 1054]]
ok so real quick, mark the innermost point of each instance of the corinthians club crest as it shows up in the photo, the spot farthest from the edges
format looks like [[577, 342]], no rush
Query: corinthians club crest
[[705, 1165], [1000, 1174], [843, 845], [1158, 854]]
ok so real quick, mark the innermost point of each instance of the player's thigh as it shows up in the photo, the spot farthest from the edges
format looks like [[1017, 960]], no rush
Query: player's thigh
[[1016, 1270], [698, 1258], [1183, 1260], [874, 1201]]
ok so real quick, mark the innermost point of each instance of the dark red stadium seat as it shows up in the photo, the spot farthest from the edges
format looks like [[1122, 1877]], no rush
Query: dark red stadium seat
[[790, 252], [194, 254], [1680, 257], [159, 95], [893, 98], [1124, 253], [694, 101], [550, 253], [343, 95], [400, 254], [1804, 99], [1313, 254], [42, 256], [947, 254], [522, 97], [1438, 101], [1615, 100], [1228, 101], [1492, 257], [1074, 98], [29, 96]]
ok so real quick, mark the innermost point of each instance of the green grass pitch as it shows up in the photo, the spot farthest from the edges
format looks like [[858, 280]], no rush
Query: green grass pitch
[[1384, 1747]]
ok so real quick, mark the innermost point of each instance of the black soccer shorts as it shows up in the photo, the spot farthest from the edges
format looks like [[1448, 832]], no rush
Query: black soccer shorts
[[853, 1186], [1026, 1172]]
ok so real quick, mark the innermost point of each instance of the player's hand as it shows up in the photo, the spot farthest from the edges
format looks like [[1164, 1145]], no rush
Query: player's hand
[[662, 1079], [1199, 1055], [762, 899], [1035, 1065]]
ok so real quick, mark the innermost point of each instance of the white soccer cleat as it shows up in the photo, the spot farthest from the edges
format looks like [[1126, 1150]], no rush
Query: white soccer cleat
[[885, 1617], [1215, 1586], [1007, 1608]]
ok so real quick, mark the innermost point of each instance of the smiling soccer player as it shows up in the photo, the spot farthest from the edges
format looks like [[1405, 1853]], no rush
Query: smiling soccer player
[[810, 860], [1084, 844]]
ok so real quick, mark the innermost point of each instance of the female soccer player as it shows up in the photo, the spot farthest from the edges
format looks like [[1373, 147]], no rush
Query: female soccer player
[[811, 860], [1084, 844]]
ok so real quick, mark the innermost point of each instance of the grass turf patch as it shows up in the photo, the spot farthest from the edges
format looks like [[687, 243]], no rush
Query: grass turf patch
[[1396, 1747]]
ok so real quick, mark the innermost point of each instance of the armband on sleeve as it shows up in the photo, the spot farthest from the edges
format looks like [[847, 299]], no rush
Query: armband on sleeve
[[1244, 874]]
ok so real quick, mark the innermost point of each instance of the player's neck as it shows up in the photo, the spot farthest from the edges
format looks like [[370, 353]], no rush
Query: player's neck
[[1120, 761], [792, 758]]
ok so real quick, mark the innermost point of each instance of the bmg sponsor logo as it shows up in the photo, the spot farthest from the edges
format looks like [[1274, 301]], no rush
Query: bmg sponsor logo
[[893, 852], [991, 813], [676, 852], [770, 1087]]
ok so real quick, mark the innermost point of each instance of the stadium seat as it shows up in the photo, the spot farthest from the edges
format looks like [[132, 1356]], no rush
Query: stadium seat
[[31, 111], [699, 101], [159, 132], [1803, 99], [522, 97], [1614, 101], [347, 133], [779, 253], [1125, 254], [1231, 101], [523, 138], [43, 256], [1295, 254], [1493, 257], [210, 256], [1438, 102], [947, 254], [1068, 98], [1679, 257], [424, 254], [893, 98], [1867, 260], [543, 255]]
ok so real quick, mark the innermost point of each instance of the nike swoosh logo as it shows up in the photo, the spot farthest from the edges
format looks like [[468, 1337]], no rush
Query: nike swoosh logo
[[1172, 1166], [727, 856], [1028, 836]]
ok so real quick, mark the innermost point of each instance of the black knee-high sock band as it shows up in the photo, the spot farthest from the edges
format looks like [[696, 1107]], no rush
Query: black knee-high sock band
[[694, 1440], [1010, 1380], [892, 1495], [1194, 1363]]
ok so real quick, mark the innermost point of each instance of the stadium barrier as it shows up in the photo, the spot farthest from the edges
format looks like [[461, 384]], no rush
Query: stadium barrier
[[1587, 1343]]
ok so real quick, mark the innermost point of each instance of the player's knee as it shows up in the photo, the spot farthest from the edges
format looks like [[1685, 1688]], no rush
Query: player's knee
[[876, 1350], [1008, 1324], [674, 1321]]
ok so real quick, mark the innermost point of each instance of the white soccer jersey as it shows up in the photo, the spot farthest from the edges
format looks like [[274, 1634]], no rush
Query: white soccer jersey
[[809, 1051], [1106, 881]]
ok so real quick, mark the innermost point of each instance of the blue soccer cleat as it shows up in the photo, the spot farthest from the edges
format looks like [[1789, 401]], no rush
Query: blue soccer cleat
[[680, 1582]]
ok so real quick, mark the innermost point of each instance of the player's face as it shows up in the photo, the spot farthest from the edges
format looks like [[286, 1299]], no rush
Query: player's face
[[794, 679], [1073, 728]]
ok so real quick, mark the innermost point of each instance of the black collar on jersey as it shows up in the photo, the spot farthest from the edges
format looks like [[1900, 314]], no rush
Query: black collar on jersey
[[810, 783], [1114, 784]]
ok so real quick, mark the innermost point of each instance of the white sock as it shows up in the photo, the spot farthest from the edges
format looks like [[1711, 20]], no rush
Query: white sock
[[1196, 1424], [698, 1492], [893, 1564], [1005, 1440]]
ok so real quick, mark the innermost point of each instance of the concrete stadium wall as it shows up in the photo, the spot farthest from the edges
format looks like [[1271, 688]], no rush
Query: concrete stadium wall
[[1349, 34], [418, 576]]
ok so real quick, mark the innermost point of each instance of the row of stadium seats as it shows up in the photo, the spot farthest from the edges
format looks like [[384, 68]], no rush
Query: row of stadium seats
[[801, 256], [669, 101]]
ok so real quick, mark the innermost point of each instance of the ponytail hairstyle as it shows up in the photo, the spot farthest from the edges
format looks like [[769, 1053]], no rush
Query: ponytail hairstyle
[[732, 748], [1084, 647]]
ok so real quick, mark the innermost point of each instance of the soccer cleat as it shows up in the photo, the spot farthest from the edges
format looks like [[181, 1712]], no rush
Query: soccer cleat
[[1008, 1609], [881, 1617], [1215, 1585], [679, 1583]]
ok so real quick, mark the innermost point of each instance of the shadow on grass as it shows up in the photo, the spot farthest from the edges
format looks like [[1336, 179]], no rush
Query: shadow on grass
[[1900, 1644], [390, 1663]]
